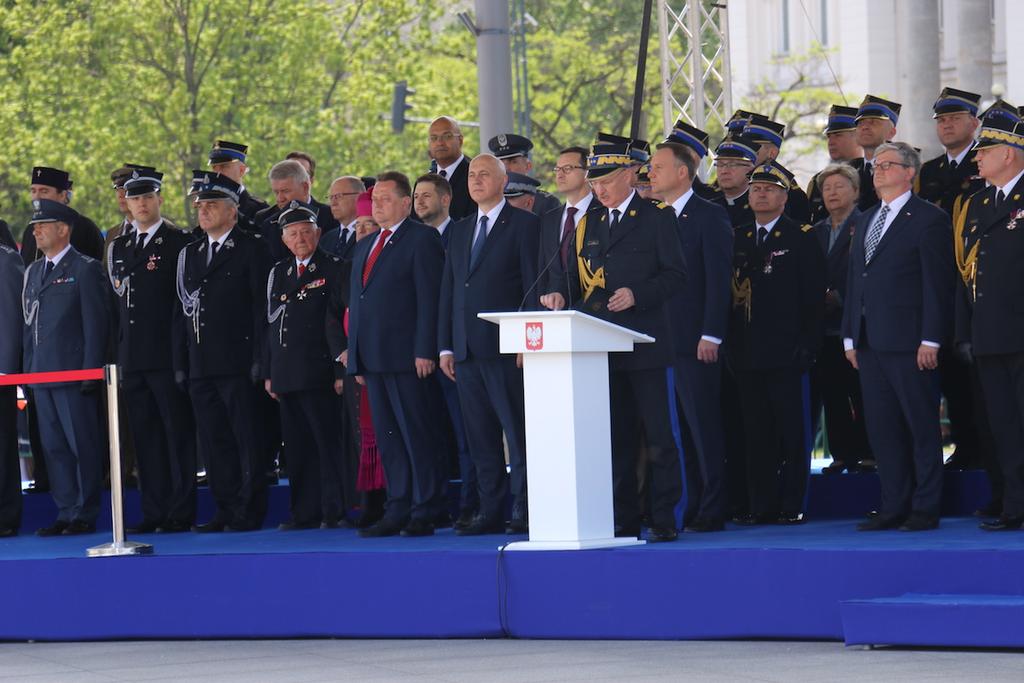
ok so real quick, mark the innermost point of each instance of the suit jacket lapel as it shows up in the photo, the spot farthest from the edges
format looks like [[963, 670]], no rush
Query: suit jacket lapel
[[224, 253], [389, 246], [492, 233], [905, 213]]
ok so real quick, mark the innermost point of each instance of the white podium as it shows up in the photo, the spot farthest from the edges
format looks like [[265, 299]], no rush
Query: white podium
[[568, 429]]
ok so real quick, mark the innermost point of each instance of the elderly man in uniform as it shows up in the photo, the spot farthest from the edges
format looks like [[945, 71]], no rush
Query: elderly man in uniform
[[12, 272], [142, 270], [229, 159], [222, 280], [625, 265], [841, 136], [67, 323], [55, 185], [302, 375], [514, 152]]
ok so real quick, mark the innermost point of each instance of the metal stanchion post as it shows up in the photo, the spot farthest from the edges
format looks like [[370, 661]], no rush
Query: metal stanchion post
[[119, 546]]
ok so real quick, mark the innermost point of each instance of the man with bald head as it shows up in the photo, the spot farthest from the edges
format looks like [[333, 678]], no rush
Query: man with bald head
[[342, 199], [445, 146], [491, 266]]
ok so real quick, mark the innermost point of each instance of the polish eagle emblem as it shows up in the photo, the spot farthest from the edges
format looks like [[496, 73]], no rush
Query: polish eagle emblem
[[534, 336]]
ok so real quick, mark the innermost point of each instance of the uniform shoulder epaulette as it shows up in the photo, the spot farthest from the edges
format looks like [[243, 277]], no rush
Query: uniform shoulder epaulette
[[87, 259], [806, 227], [7, 250], [335, 259], [662, 205]]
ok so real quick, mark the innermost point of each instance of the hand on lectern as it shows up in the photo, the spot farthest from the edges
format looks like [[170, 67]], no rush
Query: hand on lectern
[[554, 301]]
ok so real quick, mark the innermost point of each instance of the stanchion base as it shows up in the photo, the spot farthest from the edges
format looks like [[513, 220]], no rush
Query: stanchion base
[[583, 544], [117, 549]]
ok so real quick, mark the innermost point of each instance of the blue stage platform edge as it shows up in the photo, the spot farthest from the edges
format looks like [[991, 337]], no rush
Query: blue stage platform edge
[[822, 580]]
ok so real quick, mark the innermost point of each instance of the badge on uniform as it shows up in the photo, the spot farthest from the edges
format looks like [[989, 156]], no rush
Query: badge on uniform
[[158, 240], [284, 297], [632, 212], [229, 244], [1012, 225], [151, 264]]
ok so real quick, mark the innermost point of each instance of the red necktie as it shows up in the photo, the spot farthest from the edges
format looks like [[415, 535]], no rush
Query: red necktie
[[302, 269], [371, 260], [570, 224]]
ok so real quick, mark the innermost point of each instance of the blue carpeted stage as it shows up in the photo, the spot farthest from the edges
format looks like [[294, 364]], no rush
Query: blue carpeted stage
[[823, 580]]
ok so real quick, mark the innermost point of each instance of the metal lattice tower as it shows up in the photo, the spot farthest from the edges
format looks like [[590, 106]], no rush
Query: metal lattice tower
[[695, 75]]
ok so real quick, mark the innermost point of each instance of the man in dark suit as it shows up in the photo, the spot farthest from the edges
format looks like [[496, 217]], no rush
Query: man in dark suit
[[445, 139], [876, 124], [557, 227], [324, 215], [55, 185], [700, 317], [142, 271], [12, 272], [774, 336], [514, 152], [67, 323], [841, 136], [230, 159], [342, 199], [432, 198], [290, 182], [625, 265], [392, 347], [491, 266], [989, 320], [895, 315], [222, 285], [302, 375]]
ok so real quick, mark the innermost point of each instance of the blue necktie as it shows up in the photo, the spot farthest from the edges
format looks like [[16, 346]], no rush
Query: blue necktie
[[478, 243]]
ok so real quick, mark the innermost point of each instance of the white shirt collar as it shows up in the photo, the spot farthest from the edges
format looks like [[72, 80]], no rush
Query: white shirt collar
[[1010, 185], [444, 226], [897, 204], [351, 226], [63, 252], [732, 202], [621, 208], [150, 230], [223, 238], [492, 215], [769, 225], [680, 204], [959, 158], [448, 170], [304, 262], [583, 204]]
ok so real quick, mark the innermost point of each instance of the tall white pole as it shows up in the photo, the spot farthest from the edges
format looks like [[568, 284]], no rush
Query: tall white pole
[[494, 68]]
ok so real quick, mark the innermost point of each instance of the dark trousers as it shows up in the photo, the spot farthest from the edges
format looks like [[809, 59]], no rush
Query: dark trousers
[[229, 440], [469, 494], [778, 463], [838, 385], [735, 444], [40, 476], [73, 444], [1002, 378], [902, 418], [10, 470], [640, 420], [491, 396], [965, 421], [163, 430], [698, 391], [316, 466], [407, 438], [351, 437]]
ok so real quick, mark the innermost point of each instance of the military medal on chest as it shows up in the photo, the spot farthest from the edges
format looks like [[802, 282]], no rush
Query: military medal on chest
[[1012, 225]]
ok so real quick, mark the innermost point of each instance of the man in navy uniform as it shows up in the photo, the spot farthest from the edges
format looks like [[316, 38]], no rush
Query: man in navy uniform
[[55, 185], [118, 178], [895, 316], [841, 136], [229, 159], [445, 140], [734, 160], [876, 124], [521, 191], [700, 317], [12, 272], [514, 152], [302, 375], [392, 348], [491, 266], [67, 324], [625, 265], [141, 267], [989, 321], [770, 135], [774, 335], [222, 280]]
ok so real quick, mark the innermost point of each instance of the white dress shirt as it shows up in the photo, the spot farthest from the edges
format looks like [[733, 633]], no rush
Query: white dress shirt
[[448, 170]]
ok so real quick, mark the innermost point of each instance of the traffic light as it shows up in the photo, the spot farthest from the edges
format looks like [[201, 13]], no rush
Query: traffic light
[[399, 106]]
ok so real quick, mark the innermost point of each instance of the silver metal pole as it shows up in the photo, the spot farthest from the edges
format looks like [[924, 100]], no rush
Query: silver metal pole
[[119, 546], [494, 68]]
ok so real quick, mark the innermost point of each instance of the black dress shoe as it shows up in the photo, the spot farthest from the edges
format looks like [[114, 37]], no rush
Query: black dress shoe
[[880, 523], [342, 523], [837, 467], [627, 531], [517, 525], [173, 527], [418, 527], [753, 520], [791, 518], [78, 527], [297, 526], [443, 520], [55, 529], [465, 519], [1003, 523], [661, 534], [7, 532], [993, 509], [214, 526], [384, 527], [481, 526], [702, 525], [867, 465], [916, 522], [143, 527]]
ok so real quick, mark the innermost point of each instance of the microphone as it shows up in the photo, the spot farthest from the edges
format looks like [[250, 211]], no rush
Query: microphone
[[543, 272]]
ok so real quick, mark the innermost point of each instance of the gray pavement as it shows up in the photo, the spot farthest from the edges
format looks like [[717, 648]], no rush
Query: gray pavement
[[519, 661]]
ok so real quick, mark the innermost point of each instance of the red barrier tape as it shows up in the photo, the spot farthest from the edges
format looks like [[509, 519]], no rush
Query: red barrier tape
[[51, 377]]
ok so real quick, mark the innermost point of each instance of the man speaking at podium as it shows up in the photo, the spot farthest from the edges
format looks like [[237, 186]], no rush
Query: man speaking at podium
[[625, 264]]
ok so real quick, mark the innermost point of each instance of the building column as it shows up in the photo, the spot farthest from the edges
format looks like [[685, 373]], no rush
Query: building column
[[917, 59], [974, 57]]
